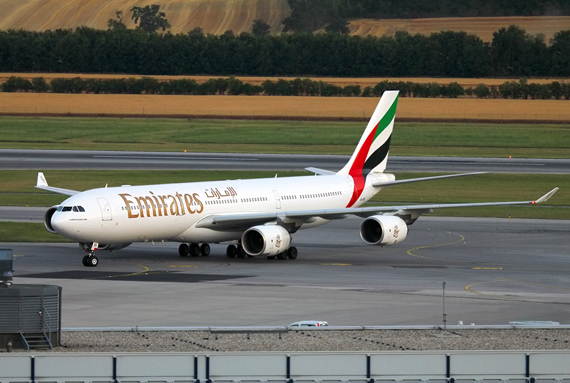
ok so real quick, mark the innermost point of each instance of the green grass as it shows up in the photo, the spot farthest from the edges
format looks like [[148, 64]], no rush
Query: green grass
[[27, 232], [429, 139]]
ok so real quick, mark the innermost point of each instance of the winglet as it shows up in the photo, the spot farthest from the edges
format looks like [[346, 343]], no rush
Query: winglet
[[41, 180], [42, 184], [547, 196]]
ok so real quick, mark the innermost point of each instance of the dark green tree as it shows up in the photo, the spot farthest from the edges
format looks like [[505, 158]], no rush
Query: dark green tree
[[260, 28], [338, 25], [117, 22], [560, 53], [150, 18], [40, 85], [512, 52]]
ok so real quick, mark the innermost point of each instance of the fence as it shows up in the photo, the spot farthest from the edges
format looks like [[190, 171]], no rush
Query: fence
[[274, 367]]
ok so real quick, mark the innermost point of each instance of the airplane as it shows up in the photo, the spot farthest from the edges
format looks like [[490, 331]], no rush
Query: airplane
[[257, 216]]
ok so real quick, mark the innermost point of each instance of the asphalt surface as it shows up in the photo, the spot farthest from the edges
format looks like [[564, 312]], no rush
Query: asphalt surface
[[496, 271], [109, 160]]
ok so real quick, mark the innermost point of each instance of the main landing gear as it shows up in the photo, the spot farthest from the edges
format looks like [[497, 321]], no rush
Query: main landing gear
[[90, 260], [194, 249]]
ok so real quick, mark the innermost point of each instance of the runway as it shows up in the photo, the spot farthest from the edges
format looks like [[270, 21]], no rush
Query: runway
[[496, 271], [111, 160]]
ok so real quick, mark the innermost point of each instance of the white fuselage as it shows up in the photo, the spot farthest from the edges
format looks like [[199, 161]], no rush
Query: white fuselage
[[170, 212]]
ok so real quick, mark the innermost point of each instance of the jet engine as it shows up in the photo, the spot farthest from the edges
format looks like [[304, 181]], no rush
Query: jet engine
[[265, 240], [383, 230], [47, 219]]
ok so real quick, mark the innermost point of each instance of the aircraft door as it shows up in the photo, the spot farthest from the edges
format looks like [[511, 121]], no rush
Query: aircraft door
[[105, 209], [277, 199]]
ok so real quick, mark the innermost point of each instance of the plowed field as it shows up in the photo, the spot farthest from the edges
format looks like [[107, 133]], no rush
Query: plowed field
[[484, 27], [282, 107], [213, 16]]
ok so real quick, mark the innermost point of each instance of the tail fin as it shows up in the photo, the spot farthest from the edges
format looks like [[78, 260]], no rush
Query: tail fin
[[371, 154]]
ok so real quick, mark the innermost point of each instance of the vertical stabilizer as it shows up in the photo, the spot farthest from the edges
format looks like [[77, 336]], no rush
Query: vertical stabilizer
[[371, 154]]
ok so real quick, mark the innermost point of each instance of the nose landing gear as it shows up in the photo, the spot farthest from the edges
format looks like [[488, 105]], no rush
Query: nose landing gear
[[90, 260]]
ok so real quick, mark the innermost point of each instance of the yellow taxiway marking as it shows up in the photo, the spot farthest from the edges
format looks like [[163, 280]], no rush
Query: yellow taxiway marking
[[461, 238], [182, 266], [336, 264], [146, 269]]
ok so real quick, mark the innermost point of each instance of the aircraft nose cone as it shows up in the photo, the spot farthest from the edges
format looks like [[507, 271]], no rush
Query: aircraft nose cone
[[61, 224]]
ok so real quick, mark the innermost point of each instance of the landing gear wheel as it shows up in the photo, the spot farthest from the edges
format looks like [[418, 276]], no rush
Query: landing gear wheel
[[183, 250], [205, 249], [85, 261], [241, 252], [194, 250], [93, 261], [282, 256], [292, 252], [231, 251], [271, 257]]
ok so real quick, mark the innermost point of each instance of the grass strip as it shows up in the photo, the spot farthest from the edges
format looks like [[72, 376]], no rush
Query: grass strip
[[430, 139]]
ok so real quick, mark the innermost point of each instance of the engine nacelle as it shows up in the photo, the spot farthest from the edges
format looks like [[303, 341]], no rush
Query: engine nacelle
[[265, 240], [47, 219], [383, 230]]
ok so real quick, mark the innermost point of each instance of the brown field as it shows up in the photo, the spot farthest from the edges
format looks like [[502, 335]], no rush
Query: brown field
[[213, 16], [281, 107], [484, 27], [363, 82], [218, 16]]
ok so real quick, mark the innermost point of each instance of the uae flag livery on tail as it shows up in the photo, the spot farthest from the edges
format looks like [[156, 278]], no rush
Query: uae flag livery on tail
[[371, 153]]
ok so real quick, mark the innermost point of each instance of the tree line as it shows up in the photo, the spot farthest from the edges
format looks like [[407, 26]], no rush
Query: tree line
[[297, 87], [512, 53]]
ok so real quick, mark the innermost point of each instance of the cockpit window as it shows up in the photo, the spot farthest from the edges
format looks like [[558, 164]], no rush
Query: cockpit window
[[76, 209]]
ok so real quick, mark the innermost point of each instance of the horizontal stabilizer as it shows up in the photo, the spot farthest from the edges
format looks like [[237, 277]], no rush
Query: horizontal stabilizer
[[321, 172], [408, 181], [42, 184]]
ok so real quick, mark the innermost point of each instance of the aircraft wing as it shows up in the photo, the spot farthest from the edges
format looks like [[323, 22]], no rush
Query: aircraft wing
[[42, 184], [243, 221]]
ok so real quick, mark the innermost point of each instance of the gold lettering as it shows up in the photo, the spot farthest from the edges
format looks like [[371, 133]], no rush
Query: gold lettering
[[157, 204], [174, 208], [179, 196], [201, 209], [128, 205], [162, 197], [144, 203], [188, 199]]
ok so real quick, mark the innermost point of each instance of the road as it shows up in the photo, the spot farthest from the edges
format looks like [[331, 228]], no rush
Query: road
[[110, 160]]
